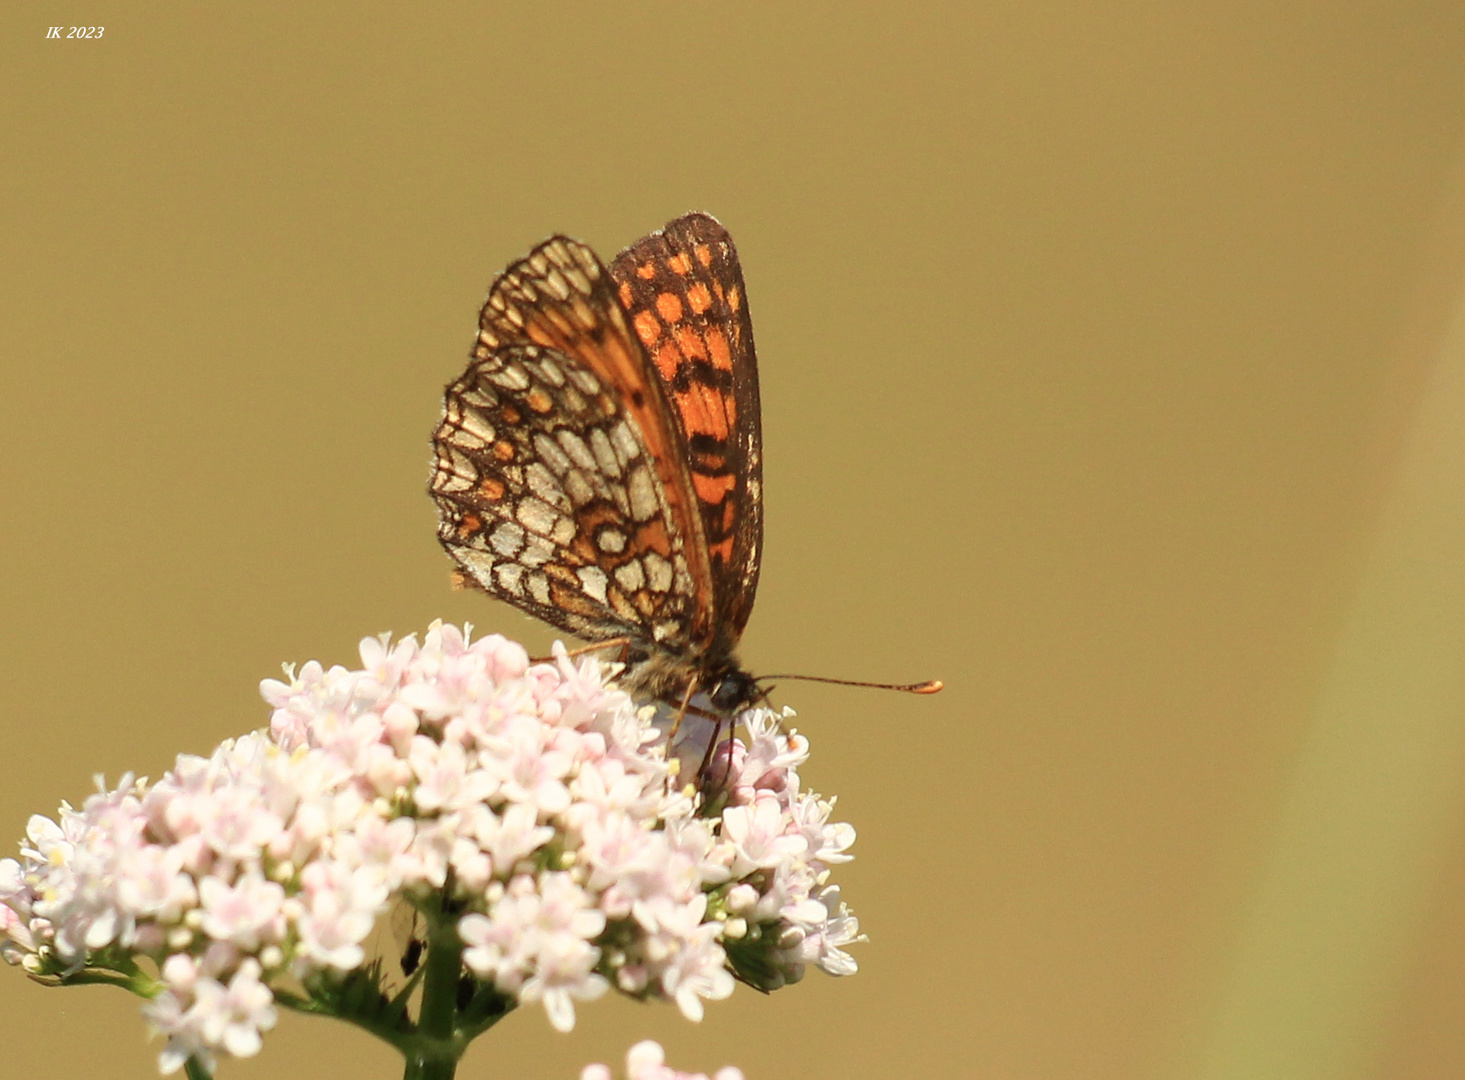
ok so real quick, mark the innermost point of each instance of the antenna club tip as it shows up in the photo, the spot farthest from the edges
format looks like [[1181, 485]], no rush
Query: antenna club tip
[[932, 687]]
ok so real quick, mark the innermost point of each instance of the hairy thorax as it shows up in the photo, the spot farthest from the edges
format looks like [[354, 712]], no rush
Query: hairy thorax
[[668, 676]]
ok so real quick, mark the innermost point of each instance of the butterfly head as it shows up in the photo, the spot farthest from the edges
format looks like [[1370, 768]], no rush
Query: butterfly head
[[732, 690]]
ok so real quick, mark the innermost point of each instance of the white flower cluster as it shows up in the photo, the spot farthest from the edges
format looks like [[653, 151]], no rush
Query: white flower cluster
[[647, 1061], [533, 803]]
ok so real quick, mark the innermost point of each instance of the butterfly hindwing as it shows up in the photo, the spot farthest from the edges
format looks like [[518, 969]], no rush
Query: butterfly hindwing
[[549, 498], [560, 297]]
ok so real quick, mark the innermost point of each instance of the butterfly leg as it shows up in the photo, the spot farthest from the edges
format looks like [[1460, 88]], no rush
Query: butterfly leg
[[682, 711], [712, 749], [621, 643]]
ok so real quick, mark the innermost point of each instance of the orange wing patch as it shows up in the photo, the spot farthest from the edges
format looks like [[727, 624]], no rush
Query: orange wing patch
[[647, 328], [717, 349], [699, 298], [713, 489], [689, 342]]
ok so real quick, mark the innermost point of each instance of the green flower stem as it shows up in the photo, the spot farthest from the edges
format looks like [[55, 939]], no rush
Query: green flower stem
[[453, 1009], [433, 1054], [134, 981]]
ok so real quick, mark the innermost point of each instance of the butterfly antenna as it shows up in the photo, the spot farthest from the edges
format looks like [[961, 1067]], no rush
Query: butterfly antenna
[[929, 687]]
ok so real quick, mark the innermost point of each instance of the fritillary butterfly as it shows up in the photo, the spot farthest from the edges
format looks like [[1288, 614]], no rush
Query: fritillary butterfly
[[599, 463]]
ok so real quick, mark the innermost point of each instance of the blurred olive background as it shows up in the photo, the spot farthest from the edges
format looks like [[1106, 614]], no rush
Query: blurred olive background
[[1113, 371]]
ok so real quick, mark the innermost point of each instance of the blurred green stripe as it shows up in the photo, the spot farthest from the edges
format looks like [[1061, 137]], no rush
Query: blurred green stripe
[[1364, 830]]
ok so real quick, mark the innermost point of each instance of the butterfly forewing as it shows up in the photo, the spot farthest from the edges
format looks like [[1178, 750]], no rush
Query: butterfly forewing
[[682, 288]]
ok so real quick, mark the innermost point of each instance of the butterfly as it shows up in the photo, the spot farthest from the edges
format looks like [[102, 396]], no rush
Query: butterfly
[[599, 463]]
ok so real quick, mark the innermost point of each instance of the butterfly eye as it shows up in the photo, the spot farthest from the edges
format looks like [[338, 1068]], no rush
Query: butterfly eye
[[732, 692]]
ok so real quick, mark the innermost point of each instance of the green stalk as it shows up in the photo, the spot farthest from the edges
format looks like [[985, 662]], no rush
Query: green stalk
[[433, 1054]]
